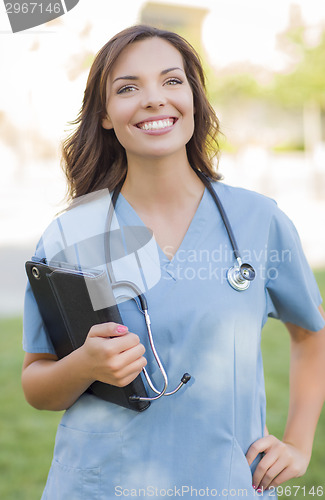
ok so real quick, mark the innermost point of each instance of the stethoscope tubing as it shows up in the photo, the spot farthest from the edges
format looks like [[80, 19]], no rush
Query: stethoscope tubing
[[222, 212]]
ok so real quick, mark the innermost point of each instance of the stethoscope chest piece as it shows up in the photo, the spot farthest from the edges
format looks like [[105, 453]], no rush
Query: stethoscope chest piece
[[240, 276]]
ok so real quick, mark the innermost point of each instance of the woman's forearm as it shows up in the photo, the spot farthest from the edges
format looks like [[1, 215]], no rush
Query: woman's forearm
[[307, 386], [289, 458], [55, 385]]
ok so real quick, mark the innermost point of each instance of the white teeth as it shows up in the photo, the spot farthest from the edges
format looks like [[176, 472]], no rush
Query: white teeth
[[156, 125]]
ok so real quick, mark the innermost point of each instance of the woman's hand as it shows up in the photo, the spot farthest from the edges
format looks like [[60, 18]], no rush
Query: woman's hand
[[112, 354], [281, 462]]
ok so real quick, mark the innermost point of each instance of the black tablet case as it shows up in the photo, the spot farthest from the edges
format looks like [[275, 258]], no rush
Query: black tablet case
[[65, 306]]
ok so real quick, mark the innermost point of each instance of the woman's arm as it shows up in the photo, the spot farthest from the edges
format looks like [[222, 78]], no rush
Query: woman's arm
[[290, 457], [110, 354]]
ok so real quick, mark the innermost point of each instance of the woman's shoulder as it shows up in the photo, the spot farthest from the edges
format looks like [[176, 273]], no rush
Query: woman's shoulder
[[88, 203], [84, 218], [84, 210], [234, 195], [256, 210], [247, 206]]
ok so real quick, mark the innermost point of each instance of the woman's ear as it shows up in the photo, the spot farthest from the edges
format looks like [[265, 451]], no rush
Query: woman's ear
[[106, 123]]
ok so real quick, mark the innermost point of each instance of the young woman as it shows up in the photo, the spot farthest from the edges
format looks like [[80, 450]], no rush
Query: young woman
[[146, 126]]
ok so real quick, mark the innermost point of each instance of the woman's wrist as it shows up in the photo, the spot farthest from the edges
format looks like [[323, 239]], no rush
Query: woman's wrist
[[85, 365], [301, 443]]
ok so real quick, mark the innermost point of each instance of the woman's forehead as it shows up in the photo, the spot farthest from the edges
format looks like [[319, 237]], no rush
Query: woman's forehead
[[153, 53]]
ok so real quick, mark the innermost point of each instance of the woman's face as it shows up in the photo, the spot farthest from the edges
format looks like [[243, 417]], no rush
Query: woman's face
[[150, 101]]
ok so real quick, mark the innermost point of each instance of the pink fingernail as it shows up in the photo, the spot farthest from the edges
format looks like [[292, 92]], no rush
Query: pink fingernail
[[122, 328], [254, 486]]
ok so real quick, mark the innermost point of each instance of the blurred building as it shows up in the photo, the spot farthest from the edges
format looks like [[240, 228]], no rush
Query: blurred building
[[184, 19]]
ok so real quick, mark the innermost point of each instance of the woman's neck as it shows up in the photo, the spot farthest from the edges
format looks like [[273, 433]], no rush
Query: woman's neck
[[159, 184]]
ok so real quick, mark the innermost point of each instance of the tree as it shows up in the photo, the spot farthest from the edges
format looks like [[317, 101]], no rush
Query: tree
[[304, 85]]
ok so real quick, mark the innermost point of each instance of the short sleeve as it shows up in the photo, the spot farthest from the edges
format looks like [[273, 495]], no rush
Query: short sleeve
[[84, 220], [292, 292], [35, 337]]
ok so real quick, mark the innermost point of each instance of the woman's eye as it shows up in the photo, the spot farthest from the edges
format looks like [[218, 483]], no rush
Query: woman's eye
[[126, 89], [174, 81]]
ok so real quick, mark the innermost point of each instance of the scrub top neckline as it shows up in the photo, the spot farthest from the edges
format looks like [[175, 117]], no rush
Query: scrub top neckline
[[191, 235]]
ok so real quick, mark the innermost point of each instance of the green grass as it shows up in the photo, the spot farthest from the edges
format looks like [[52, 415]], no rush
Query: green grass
[[27, 435]]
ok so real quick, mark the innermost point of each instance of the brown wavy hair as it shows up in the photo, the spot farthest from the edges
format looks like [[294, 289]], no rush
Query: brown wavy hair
[[93, 158]]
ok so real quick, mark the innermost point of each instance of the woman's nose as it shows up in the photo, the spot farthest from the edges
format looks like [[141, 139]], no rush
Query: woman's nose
[[153, 98]]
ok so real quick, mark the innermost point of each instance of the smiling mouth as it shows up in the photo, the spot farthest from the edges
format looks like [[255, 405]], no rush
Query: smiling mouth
[[157, 124]]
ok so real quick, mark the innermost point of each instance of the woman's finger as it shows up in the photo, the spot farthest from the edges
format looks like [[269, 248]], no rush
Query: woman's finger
[[127, 374], [259, 446], [268, 460], [272, 472], [284, 476], [119, 345], [127, 357], [109, 329]]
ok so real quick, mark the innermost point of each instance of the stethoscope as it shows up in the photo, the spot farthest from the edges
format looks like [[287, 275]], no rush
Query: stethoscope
[[239, 277], [241, 274]]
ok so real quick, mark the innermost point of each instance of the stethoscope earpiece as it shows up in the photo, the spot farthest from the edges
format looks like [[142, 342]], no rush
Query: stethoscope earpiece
[[240, 276]]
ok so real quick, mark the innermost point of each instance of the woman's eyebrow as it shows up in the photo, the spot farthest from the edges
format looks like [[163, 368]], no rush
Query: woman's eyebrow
[[126, 77], [170, 69], [131, 77]]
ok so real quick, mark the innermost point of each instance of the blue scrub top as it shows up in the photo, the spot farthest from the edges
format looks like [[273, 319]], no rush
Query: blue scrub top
[[193, 443]]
